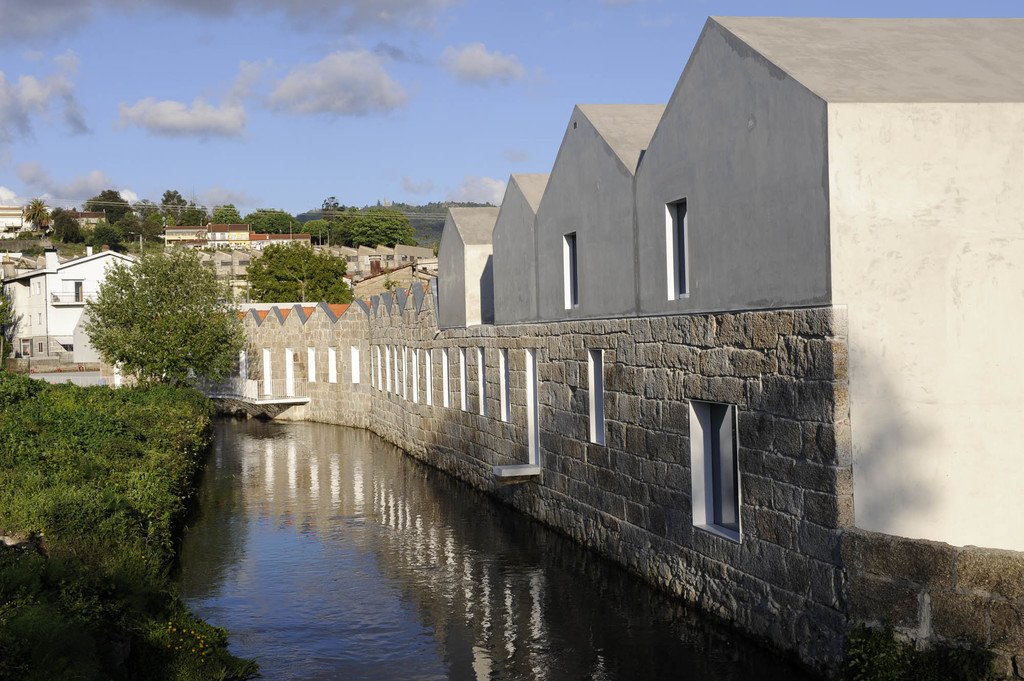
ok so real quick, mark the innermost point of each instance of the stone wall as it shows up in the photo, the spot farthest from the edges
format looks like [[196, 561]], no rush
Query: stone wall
[[932, 592], [629, 499]]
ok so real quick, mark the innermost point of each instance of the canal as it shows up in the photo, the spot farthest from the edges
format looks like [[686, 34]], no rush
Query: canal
[[329, 554]]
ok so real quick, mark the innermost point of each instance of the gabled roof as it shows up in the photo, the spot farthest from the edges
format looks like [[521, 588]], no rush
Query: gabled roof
[[532, 186], [893, 60], [74, 262], [626, 128], [475, 225]]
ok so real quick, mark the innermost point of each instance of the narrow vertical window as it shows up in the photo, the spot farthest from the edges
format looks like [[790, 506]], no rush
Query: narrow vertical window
[[532, 408], [481, 379], [289, 372], [354, 352], [428, 367], [503, 385], [405, 372], [676, 256], [570, 271], [714, 468], [446, 379], [332, 365], [595, 371], [311, 364], [243, 364], [387, 367], [394, 357], [380, 376], [416, 375], [268, 378], [463, 380]]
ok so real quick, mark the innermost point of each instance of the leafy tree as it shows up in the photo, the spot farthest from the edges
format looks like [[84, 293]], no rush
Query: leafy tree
[[318, 229], [171, 203], [152, 225], [66, 228], [146, 208], [380, 226], [272, 221], [193, 215], [295, 273], [110, 203], [165, 318], [128, 226], [226, 215], [37, 213], [8, 324], [106, 234]]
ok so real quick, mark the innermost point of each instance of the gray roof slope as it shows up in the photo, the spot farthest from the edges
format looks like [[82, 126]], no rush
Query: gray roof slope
[[626, 128], [893, 60], [475, 225], [532, 186]]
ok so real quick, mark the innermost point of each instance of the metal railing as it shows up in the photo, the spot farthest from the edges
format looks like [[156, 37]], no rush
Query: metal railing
[[71, 298], [254, 390]]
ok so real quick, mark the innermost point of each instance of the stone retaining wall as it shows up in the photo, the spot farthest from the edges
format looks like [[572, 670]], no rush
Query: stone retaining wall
[[800, 574]]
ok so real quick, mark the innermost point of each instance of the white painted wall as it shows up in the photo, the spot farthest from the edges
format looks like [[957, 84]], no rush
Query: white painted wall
[[927, 223]]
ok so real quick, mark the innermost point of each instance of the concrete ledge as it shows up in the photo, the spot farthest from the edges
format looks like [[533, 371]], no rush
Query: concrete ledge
[[518, 471]]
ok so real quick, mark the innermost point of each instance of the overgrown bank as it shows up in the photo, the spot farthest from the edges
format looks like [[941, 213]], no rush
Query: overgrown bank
[[94, 484]]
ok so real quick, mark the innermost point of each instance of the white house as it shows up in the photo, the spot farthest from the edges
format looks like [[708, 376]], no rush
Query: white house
[[48, 302], [11, 221]]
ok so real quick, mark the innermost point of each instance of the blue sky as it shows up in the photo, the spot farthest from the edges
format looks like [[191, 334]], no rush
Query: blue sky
[[281, 104]]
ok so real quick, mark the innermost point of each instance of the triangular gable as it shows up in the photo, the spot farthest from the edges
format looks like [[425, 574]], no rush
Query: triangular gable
[[418, 292], [386, 301], [364, 305], [401, 296], [627, 129]]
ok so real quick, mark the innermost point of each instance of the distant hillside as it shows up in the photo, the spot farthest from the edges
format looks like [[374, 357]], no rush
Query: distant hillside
[[426, 219]]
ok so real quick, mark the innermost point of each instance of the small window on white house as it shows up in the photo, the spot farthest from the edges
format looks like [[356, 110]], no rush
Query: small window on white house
[[332, 365], [595, 372], [532, 409], [463, 380], [416, 375], [446, 379], [311, 364], [676, 256], [570, 271], [354, 352], [503, 385], [714, 468], [481, 378], [428, 368]]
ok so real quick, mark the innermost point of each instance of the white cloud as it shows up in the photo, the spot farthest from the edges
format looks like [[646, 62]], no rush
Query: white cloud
[[40, 183], [30, 97], [473, 64], [342, 83], [128, 195], [221, 196], [9, 197], [479, 189], [170, 118], [51, 17], [413, 187]]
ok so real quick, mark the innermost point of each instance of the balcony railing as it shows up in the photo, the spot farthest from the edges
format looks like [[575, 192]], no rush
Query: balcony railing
[[72, 298], [255, 390]]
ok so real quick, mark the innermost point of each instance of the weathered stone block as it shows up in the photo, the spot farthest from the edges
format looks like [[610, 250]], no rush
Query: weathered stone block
[[960, 617], [756, 429], [1000, 573], [1007, 626], [875, 599], [929, 564]]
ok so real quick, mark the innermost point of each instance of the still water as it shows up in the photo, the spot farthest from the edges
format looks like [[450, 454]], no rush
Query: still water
[[329, 554]]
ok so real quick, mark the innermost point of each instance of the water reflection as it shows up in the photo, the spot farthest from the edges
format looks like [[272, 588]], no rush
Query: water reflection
[[329, 554]]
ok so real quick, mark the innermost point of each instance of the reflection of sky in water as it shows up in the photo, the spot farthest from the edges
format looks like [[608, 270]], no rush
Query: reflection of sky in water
[[329, 554]]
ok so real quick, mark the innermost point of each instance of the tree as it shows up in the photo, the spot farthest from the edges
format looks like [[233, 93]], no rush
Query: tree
[[106, 234], [380, 226], [226, 215], [152, 226], [193, 215], [296, 273], [318, 229], [272, 221], [146, 208], [37, 213], [171, 204], [8, 324], [164, 318], [110, 203], [66, 228]]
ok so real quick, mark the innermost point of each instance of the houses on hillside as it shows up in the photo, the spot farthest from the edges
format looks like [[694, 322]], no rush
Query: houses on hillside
[[11, 221], [49, 302]]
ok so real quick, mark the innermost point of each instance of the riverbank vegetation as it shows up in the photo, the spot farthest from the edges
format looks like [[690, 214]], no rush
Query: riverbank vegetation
[[94, 486]]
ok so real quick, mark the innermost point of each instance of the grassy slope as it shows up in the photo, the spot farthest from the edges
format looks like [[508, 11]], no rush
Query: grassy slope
[[102, 479]]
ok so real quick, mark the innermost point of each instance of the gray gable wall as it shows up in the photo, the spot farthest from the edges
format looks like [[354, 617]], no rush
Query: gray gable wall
[[515, 254]]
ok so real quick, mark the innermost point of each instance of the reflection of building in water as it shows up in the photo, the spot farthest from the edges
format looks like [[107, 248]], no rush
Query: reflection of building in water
[[491, 594]]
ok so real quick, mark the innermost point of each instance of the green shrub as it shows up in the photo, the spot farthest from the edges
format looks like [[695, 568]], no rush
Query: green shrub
[[876, 655], [102, 480]]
